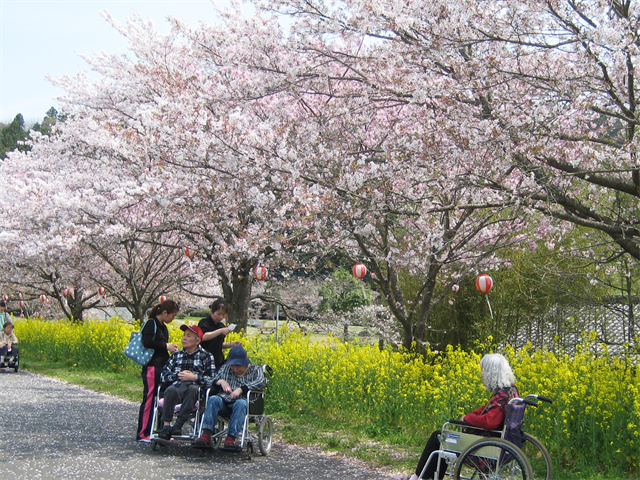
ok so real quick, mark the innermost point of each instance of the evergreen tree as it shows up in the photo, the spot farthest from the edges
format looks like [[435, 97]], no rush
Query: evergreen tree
[[49, 120], [12, 135]]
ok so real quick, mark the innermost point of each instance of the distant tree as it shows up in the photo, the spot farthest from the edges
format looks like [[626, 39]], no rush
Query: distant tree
[[49, 120], [12, 135], [343, 292]]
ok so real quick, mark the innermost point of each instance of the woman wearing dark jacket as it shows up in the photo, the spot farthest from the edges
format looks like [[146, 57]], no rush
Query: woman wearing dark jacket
[[215, 330], [154, 335]]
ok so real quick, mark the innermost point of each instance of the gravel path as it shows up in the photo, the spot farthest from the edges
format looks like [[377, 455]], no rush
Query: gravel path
[[54, 430]]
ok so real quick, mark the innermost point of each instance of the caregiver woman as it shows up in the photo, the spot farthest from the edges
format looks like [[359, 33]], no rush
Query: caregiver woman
[[155, 335]]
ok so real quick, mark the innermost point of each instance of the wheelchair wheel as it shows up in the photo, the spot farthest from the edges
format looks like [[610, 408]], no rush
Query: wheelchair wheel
[[538, 457], [265, 435], [493, 459]]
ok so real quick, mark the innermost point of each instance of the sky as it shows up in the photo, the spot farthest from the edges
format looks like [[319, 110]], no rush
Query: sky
[[44, 37]]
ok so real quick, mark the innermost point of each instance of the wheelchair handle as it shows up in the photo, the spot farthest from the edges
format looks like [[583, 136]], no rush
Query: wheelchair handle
[[537, 397]]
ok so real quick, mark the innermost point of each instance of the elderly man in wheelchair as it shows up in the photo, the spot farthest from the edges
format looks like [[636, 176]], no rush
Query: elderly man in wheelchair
[[187, 371], [488, 443], [234, 379]]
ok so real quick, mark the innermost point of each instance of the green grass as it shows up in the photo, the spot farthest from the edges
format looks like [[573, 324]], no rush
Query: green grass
[[391, 450]]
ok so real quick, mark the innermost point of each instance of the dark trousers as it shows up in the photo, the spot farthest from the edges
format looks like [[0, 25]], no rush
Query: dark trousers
[[9, 353], [186, 394], [150, 382], [433, 444]]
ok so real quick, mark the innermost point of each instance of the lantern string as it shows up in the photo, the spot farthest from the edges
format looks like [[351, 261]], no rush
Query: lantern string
[[489, 303]]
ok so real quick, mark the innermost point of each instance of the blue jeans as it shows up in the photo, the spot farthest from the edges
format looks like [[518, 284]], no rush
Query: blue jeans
[[218, 406]]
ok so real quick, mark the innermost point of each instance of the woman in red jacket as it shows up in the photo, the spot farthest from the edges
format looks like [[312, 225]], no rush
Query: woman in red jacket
[[499, 379]]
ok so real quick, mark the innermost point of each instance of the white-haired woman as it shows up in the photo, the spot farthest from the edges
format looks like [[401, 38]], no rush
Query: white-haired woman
[[499, 379]]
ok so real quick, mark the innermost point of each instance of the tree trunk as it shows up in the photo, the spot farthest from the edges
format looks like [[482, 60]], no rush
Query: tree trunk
[[76, 309], [237, 294]]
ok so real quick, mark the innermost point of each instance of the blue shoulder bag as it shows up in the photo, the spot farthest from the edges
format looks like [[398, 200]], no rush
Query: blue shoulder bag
[[135, 350]]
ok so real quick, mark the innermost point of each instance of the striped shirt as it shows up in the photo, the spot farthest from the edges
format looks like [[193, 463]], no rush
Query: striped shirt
[[200, 362], [252, 380]]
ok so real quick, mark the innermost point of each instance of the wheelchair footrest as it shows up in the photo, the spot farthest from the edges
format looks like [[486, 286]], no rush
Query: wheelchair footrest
[[231, 448]]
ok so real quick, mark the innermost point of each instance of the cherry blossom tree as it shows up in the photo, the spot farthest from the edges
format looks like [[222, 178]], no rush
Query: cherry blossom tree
[[543, 93], [248, 152], [161, 146], [386, 178], [76, 232], [413, 136]]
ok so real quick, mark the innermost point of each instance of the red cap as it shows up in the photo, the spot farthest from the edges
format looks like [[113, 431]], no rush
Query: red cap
[[194, 329]]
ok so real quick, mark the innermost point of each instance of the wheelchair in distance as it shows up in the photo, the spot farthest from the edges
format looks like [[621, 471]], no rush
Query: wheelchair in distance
[[11, 360], [509, 453]]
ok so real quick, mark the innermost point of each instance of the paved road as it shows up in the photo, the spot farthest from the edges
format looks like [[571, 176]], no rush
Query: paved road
[[52, 430]]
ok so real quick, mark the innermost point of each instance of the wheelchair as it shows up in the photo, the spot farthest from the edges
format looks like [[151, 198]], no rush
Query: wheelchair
[[190, 430], [10, 360], [261, 433], [509, 453]]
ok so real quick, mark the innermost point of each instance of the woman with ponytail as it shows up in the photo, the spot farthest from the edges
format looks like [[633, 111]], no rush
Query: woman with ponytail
[[155, 335]]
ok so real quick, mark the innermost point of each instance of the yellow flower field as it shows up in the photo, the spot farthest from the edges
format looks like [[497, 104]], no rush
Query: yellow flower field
[[593, 423]]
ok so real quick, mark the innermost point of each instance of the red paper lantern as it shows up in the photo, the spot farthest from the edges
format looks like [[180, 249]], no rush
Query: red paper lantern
[[484, 283], [5, 297], [162, 298], [260, 272], [43, 297], [66, 292], [359, 270], [101, 290], [189, 252], [21, 303]]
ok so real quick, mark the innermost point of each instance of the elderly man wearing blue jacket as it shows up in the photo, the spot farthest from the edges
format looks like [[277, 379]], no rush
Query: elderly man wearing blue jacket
[[235, 378]]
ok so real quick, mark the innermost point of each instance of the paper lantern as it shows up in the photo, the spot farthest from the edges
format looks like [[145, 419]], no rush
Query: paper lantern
[[189, 252], [162, 298], [5, 297], [66, 292], [43, 297], [260, 272], [484, 283], [21, 303], [101, 290], [359, 270]]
